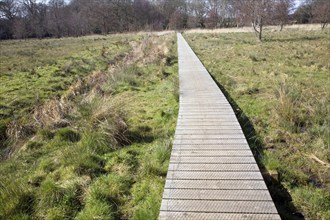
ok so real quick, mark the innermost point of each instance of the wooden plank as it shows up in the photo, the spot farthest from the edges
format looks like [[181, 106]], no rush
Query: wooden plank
[[194, 100], [215, 131], [212, 167], [211, 147], [204, 106], [209, 136], [208, 127], [208, 103], [215, 153], [204, 109], [211, 141], [207, 123], [208, 216], [216, 184], [220, 117], [214, 175], [231, 119], [216, 194], [228, 117], [212, 160], [195, 111], [260, 207], [199, 114]]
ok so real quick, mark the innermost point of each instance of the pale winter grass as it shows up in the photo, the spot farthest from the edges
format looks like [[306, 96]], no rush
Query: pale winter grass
[[305, 27]]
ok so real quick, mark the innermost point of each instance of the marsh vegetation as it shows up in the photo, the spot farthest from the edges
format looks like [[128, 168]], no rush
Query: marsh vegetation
[[280, 92], [100, 132]]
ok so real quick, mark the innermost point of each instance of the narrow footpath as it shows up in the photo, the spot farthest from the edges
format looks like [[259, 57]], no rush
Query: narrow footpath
[[212, 172]]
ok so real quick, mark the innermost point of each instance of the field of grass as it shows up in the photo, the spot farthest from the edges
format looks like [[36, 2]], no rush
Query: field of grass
[[32, 71], [280, 91], [100, 149]]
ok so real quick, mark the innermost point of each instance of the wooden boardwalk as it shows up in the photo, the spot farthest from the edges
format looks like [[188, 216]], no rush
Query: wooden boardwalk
[[212, 172]]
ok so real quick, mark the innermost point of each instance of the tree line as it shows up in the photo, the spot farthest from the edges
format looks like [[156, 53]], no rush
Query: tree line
[[61, 18]]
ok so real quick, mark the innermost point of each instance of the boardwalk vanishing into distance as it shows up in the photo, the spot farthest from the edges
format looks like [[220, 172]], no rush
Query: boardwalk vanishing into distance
[[212, 172]]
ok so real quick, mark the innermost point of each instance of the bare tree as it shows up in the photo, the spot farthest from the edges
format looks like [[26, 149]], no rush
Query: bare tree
[[141, 14], [198, 10], [213, 13], [258, 12], [321, 12], [282, 10], [56, 18], [170, 9], [59, 18], [8, 13], [8, 9], [34, 15]]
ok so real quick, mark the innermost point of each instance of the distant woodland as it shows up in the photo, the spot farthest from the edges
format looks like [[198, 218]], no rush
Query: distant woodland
[[62, 18]]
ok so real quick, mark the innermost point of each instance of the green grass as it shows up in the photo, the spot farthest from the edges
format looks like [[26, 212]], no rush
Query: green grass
[[32, 71], [109, 157], [280, 92]]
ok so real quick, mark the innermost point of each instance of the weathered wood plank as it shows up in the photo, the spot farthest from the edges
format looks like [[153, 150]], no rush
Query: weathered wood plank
[[260, 207], [212, 167], [211, 147], [209, 136], [208, 131], [214, 175], [212, 216], [215, 153], [207, 194], [210, 120], [216, 184], [207, 127], [212, 160], [210, 125], [210, 141]]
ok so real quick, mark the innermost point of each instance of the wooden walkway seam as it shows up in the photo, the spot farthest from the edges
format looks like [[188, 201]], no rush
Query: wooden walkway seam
[[212, 173]]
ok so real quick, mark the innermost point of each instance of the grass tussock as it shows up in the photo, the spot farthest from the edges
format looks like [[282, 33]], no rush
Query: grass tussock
[[101, 149], [280, 94]]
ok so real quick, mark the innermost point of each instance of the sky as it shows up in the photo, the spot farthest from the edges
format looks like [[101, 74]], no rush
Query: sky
[[297, 1]]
